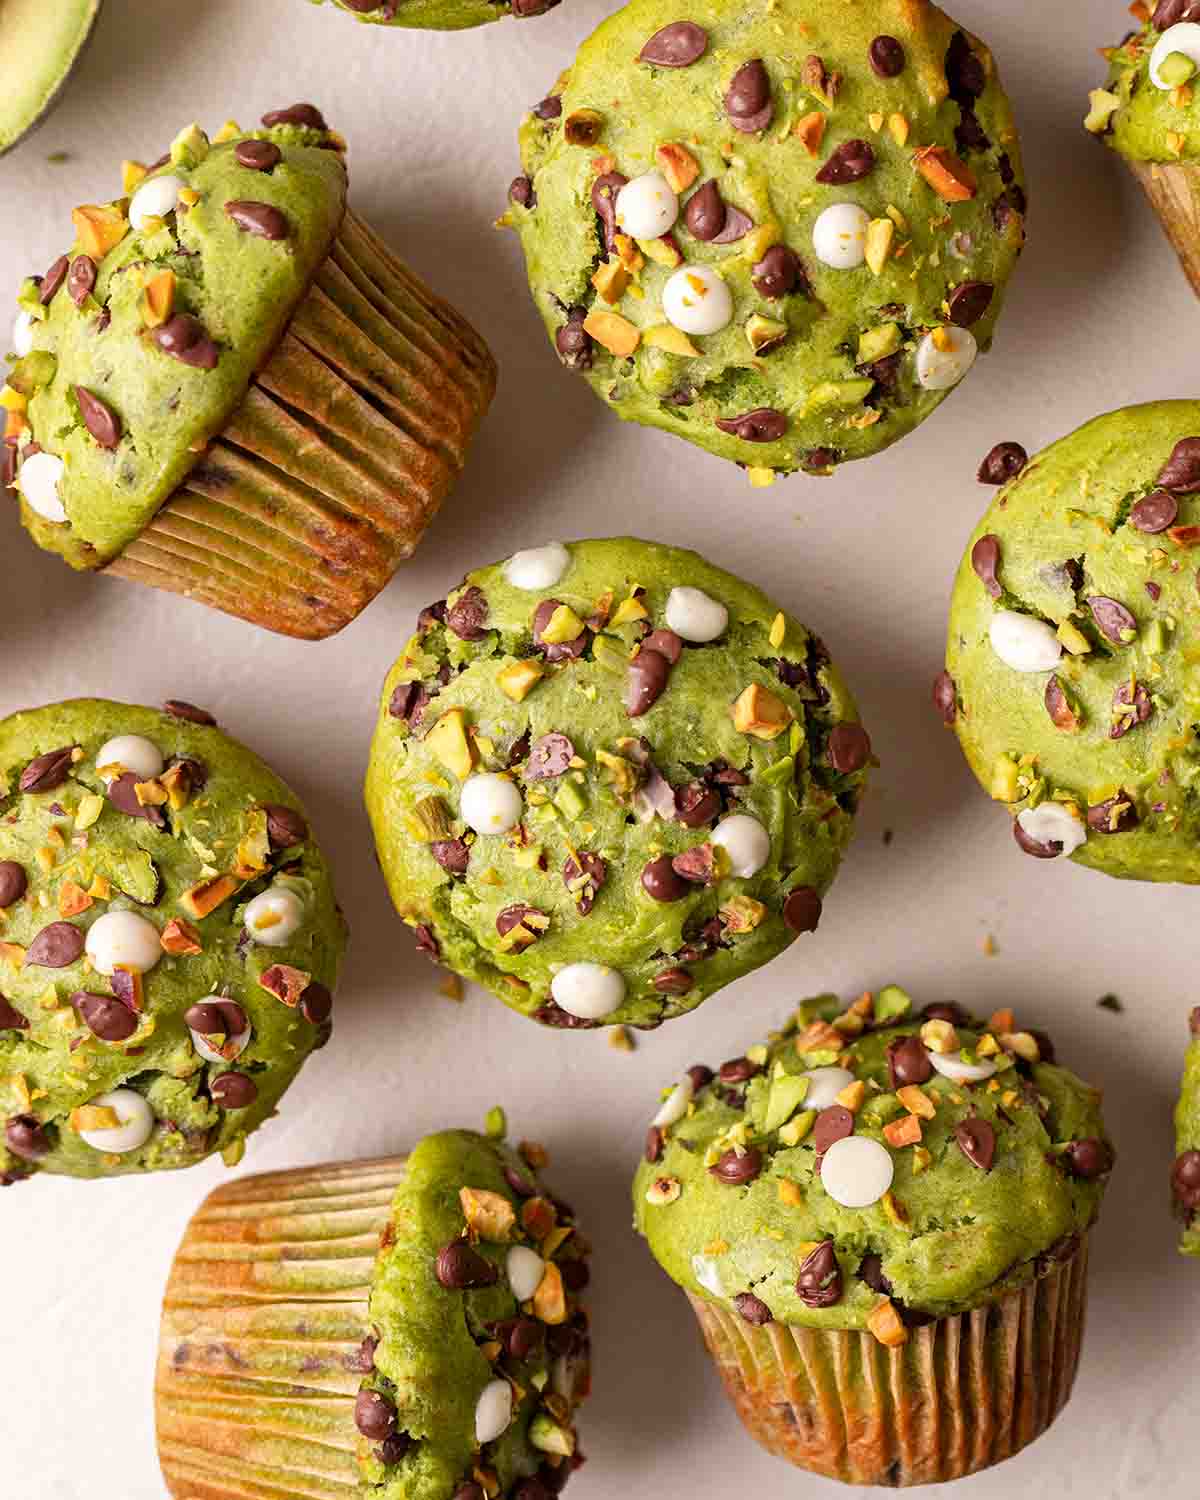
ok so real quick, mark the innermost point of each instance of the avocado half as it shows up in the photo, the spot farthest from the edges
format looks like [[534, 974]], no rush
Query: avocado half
[[40, 44]]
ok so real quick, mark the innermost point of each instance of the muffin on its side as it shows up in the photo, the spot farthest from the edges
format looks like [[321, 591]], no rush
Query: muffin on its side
[[779, 229], [609, 778], [169, 940], [440, 15], [228, 388], [1185, 1174], [870, 1214], [1070, 677], [1147, 112], [406, 1329]]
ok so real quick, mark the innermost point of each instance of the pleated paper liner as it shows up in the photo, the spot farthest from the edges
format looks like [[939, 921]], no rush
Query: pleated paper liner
[[325, 478], [264, 1312], [962, 1394], [1173, 189]]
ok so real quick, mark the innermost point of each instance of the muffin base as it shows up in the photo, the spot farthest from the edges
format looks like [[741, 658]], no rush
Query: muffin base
[[962, 1394], [264, 1312], [326, 476], [1173, 189]]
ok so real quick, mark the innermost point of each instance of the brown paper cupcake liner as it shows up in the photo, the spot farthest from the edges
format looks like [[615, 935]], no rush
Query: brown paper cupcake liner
[[963, 1393], [264, 1313], [1173, 189], [326, 476]]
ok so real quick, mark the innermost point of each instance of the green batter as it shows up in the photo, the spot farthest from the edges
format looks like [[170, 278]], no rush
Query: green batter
[[610, 778], [837, 209], [140, 343], [1071, 656], [988, 1159], [1185, 1175], [169, 940], [440, 15]]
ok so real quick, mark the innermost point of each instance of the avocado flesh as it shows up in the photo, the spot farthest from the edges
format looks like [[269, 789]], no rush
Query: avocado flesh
[[39, 47]]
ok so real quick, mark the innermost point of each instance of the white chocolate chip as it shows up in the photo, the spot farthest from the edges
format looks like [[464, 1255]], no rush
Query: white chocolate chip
[[708, 1274], [122, 939], [493, 1411], [1023, 643], [22, 334], [694, 615], [950, 1065], [130, 752], [746, 841], [155, 199], [944, 359], [490, 803], [135, 1129], [856, 1171], [824, 1085], [537, 567], [1052, 823], [675, 1105], [646, 207], [697, 300], [524, 1269], [38, 481], [275, 917], [589, 991], [840, 236], [1183, 37]]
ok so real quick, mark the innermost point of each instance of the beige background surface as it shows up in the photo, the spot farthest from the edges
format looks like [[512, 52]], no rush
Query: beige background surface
[[1099, 316]]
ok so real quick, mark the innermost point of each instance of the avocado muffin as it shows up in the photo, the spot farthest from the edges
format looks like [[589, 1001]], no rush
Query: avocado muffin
[[229, 389], [781, 230], [40, 46], [440, 15], [1185, 1174], [609, 778], [169, 940], [406, 1329], [1069, 665], [1148, 114], [869, 1213]]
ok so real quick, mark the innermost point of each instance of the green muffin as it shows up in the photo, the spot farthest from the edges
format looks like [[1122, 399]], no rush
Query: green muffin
[[1147, 112], [780, 230], [430, 1302], [1069, 663], [868, 1212], [609, 778], [440, 15], [1185, 1174], [216, 389], [169, 940]]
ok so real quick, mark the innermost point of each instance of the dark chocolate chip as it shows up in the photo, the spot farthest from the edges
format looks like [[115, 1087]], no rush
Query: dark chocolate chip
[[748, 98], [573, 342], [945, 1010], [1114, 620], [604, 201], [46, 772], [216, 1018], [977, 1142], [1131, 707], [178, 709], [1118, 814], [819, 1283], [467, 616], [520, 192], [677, 45], [969, 301], [777, 273], [849, 748], [105, 1016], [1185, 1179], [296, 114], [548, 108], [849, 162], [408, 702], [908, 1062], [556, 650], [698, 864], [1004, 462], [752, 1310], [26, 1137], [99, 419], [831, 1125], [11, 1018], [737, 226], [122, 794], [81, 279], [57, 946], [53, 280], [1181, 472], [184, 338], [316, 1004], [1155, 512], [374, 1415], [1088, 1158], [735, 1170], [1035, 847], [13, 883], [233, 1090], [262, 220], [661, 882], [964, 71], [258, 156], [870, 1270], [802, 909], [985, 559], [945, 697], [697, 804], [738, 1070], [645, 681], [285, 826], [762, 425], [675, 981], [550, 755], [459, 1268], [514, 916], [452, 854], [654, 1145], [886, 56], [469, 1491], [704, 212]]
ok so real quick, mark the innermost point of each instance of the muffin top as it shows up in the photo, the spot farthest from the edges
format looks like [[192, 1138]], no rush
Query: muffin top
[[138, 344], [441, 15], [479, 1351], [609, 778], [1185, 1175], [1070, 679], [866, 1168], [1147, 109], [804, 212], [168, 940]]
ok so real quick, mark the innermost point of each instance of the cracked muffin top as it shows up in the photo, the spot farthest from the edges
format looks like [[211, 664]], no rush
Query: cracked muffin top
[[609, 778], [1070, 677], [781, 230]]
